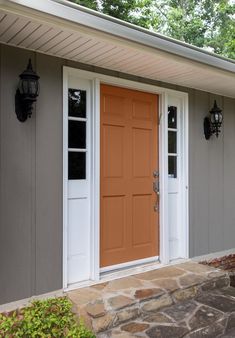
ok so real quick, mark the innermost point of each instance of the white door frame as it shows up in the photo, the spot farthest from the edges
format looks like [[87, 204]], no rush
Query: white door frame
[[163, 93]]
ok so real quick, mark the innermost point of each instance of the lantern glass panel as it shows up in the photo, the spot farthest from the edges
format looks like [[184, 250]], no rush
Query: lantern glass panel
[[220, 118], [23, 87], [213, 118], [32, 87]]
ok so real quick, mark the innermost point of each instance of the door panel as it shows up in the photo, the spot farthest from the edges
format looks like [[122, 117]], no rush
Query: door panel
[[142, 209], [129, 155], [113, 151], [114, 222], [142, 139]]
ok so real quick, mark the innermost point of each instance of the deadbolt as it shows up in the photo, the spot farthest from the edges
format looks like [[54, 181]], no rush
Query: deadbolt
[[156, 174]]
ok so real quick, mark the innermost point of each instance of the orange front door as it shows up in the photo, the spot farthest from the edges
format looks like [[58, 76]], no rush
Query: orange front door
[[129, 156]]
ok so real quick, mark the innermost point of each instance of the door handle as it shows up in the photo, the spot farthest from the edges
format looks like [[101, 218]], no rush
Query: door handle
[[156, 174], [156, 207], [156, 187]]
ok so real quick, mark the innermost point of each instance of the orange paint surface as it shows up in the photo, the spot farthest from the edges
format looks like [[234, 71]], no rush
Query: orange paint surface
[[129, 155]]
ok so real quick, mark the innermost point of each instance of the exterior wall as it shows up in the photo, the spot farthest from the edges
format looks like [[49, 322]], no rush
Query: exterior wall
[[31, 180], [211, 183]]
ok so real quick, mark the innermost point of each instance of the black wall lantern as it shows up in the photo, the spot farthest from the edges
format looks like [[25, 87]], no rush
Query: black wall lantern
[[26, 93], [212, 123]]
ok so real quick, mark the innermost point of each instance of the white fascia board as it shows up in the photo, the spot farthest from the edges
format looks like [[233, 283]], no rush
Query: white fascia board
[[104, 23]]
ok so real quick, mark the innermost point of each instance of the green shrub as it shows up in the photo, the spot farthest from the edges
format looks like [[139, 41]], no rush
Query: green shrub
[[49, 318]]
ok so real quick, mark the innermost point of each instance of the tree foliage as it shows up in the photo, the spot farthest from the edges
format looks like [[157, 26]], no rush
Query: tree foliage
[[92, 4], [137, 12], [206, 23], [209, 24]]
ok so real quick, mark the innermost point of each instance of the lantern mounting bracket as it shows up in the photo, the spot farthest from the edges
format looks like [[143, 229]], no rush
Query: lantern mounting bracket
[[207, 128], [23, 108]]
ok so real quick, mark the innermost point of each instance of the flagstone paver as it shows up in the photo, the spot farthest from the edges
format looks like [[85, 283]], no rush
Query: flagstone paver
[[183, 300], [229, 334], [158, 317], [227, 292], [211, 331], [96, 309], [166, 284], [204, 316], [231, 322], [123, 283], [135, 327], [191, 280], [189, 319], [195, 268], [143, 294], [161, 273], [103, 323], [181, 311], [156, 304], [127, 314], [184, 294], [219, 302], [119, 302], [81, 296], [167, 331]]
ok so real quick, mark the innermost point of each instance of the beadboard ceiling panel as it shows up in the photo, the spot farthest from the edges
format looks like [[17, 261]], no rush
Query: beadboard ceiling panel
[[78, 43]]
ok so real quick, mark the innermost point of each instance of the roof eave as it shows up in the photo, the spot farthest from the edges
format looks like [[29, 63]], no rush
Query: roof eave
[[77, 14]]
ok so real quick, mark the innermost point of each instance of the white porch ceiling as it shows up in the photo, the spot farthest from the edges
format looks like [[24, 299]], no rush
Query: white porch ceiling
[[44, 33]]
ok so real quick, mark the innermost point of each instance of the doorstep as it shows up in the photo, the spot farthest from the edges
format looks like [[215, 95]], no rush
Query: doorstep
[[107, 305]]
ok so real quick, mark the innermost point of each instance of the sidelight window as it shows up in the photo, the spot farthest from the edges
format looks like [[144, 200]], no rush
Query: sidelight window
[[172, 142], [77, 134]]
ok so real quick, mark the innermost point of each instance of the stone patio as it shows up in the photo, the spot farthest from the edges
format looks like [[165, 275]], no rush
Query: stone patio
[[181, 300], [210, 314]]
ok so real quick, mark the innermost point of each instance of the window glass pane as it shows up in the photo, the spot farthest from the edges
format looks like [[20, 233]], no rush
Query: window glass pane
[[77, 103], [77, 166], [172, 142], [172, 166], [77, 134], [172, 117]]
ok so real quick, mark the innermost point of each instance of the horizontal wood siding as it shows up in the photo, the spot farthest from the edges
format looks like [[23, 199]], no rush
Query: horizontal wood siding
[[31, 163]]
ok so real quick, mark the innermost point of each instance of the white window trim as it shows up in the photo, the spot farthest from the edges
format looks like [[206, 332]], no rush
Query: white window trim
[[96, 79]]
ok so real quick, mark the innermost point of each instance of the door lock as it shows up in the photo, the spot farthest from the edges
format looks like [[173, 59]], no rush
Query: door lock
[[156, 187], [156, 174]]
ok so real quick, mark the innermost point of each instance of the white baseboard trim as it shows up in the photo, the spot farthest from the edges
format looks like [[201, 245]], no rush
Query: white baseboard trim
[[26, 302]]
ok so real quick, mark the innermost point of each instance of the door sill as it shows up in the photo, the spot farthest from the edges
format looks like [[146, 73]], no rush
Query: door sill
[[124, 272], [115, 274], [129, 267]]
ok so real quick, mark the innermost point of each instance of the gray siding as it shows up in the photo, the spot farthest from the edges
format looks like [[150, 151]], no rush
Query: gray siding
[[31, 181], [17, 200], [212, 188], [49, 176]]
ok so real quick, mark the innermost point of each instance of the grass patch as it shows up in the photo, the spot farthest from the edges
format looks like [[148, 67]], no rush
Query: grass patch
[[49, 318]]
